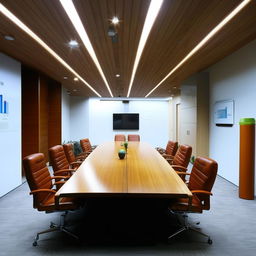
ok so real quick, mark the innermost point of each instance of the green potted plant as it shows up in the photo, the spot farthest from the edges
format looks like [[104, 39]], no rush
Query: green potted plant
[[126, 145]]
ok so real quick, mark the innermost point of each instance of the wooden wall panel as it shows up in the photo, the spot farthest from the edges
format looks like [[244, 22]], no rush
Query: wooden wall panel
[[54, 115], [41, 112], [43, 115], [30, 121]]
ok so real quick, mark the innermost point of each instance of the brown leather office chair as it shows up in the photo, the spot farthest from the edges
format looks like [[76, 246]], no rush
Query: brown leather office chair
[[200, 183], [120, 137], [59, 160], [181, 159], [72, 159], [86, 146], [43, 191], [170, 151], [133, 137]]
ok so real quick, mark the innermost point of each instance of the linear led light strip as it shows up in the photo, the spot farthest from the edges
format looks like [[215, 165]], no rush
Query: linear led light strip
[[22, 26], [203, 42], [77, 23], [149, 21]]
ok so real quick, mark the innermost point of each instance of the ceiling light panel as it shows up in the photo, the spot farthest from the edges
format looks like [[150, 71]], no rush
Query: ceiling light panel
[[77, 23], [27, 30], [152, 13], [204, 41]]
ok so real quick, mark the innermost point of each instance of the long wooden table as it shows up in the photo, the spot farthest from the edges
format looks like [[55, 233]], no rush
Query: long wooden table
[[144, 173]]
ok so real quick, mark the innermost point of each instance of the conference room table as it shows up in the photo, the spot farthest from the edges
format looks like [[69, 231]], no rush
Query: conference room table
[[125, 200], [144, 173]]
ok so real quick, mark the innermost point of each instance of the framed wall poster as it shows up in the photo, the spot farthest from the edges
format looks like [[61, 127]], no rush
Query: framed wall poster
[[224, 113]]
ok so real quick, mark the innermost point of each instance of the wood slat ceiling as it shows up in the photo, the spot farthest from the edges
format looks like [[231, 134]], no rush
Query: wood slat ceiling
[[180, 25]]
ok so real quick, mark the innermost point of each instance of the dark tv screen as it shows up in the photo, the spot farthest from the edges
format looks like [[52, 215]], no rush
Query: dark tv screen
[[125, 121]]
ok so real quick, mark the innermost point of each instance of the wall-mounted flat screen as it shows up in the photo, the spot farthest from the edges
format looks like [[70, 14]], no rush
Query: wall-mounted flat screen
[[127, 121]]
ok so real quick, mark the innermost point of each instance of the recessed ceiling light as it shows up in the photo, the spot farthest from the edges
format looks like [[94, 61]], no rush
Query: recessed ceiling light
[[115, 20], [204, 40], [26, 29], [77, 23], [65, 77], [117, 75], [73, 44], [9, 38], [76, 79], [152, 13]]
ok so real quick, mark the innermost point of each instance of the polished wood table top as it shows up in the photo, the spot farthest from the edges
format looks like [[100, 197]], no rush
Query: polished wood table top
[[143, 173]]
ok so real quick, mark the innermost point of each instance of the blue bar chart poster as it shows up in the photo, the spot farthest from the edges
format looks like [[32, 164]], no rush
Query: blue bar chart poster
[[224, 112], [3, 105], [4, 111]]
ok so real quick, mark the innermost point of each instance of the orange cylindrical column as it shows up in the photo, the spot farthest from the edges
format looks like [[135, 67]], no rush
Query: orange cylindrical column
[[246, 164]]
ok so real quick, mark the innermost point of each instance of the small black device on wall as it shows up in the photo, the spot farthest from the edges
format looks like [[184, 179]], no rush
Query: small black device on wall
[[125, 121]]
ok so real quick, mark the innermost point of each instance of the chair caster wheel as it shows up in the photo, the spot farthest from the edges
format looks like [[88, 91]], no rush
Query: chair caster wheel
[[35, 243], [209, 241]]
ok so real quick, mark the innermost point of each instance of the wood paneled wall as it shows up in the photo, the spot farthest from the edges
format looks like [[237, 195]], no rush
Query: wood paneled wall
[[41, 112], [54, 114], [43, 115], [30, 120]]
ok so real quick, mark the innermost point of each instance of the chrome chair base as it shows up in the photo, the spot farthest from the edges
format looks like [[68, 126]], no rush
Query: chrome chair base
[[186, 226], [55, 227]]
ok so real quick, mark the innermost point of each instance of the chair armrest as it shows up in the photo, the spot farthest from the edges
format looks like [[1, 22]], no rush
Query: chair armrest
[[184, 173], [179, 167], [60, 182], [204, 197], [201, 192], [65, 170], [59, 177], [42, 190], [76, 162]]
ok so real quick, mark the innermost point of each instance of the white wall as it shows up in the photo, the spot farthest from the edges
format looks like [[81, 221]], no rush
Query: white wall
[[94, 119], [79, 118], [10, 125], [65, 115], [188, 116], [232, 78], [172, 117]]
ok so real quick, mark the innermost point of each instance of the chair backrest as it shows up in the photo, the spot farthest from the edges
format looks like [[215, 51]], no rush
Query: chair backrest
[[203, 175], [86, 145], [133, 137], [182, 156], [171, 148], [69, 152], [120, 137], [58, 158], [38, 176]]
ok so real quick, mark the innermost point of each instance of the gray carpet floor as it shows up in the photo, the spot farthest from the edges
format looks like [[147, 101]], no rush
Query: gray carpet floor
[[231, 222]]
